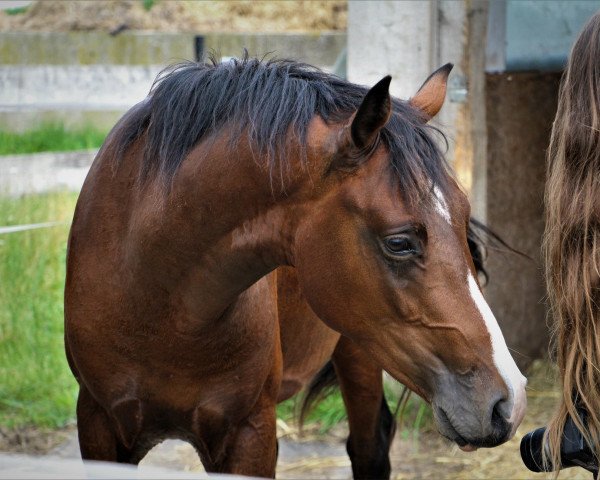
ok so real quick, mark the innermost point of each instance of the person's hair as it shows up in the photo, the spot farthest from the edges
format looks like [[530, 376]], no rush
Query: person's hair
[[572, 240]]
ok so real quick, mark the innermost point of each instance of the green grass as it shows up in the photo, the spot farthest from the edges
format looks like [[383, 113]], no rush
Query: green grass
[[330, 411], [36, 386], [15, 10], [148, 4], [51, 137]]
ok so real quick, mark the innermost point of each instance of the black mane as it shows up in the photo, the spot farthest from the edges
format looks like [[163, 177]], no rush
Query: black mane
[[268, 101]]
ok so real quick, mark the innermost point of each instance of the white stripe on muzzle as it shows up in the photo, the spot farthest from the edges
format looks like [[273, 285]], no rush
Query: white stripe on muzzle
[[505, 364]]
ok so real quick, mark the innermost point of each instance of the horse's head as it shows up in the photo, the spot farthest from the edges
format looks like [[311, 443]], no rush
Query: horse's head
[[391, 269]]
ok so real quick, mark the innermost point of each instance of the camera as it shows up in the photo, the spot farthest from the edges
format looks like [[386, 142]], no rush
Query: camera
[[574, 450]]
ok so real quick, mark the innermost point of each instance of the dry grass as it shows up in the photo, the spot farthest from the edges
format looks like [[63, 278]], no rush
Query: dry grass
[[33, 440], [180, 16]]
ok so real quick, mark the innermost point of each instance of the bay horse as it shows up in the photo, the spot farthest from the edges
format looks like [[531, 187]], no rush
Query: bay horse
[[572, 241], [244, 224]]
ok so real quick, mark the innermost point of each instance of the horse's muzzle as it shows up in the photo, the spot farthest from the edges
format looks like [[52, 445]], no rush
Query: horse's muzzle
[[497, 431], [474, 413]]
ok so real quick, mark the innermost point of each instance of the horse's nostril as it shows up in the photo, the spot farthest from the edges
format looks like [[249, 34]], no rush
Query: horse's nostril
[[500, 416], [497, 415], [502, 408]]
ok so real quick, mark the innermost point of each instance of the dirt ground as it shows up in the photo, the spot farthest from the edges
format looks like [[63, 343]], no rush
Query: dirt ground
[[180, 16], [308, 456]]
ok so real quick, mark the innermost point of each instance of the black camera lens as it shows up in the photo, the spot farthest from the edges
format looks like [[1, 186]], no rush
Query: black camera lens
[[532, 451], [574, 450]]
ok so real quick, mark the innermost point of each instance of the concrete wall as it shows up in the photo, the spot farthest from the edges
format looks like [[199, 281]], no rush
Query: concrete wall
[[391, 38], [91, 76], [156, 48], [71, 87]]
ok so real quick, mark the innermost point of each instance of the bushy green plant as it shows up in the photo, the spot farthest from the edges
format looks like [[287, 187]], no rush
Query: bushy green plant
[[148, 4]]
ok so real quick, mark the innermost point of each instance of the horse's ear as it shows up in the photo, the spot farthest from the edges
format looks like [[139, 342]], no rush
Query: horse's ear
[[373, 113], [430, 97]]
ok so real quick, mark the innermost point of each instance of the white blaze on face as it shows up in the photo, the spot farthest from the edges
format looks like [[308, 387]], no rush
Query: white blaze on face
[[440, 204], [514, 408]]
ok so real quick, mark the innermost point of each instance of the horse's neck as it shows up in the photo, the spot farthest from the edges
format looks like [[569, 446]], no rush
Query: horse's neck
[[223, 231]]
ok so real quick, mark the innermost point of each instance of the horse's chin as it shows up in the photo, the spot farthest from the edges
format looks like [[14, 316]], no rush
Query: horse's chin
[[466, 443], [467, 448], [447, 430]]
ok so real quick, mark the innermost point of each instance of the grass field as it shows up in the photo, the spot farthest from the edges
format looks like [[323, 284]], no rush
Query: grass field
[[51, 137], [37, 387]]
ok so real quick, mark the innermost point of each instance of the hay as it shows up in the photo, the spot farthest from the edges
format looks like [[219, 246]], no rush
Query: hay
[[181, 16]]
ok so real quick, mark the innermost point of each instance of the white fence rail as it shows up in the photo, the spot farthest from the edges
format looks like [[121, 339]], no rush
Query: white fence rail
[[29, 226]]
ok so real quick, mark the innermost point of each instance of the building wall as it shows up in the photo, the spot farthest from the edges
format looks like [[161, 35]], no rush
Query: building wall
[[520, 108]]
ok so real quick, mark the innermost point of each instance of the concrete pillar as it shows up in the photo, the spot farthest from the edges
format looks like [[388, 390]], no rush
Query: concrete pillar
[[389, 37]]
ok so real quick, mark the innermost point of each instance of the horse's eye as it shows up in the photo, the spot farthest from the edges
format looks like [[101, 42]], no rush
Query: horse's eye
[[401, 246]]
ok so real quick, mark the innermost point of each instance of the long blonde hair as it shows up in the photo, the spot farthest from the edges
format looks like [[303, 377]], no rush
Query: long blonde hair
[[572, 239]]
